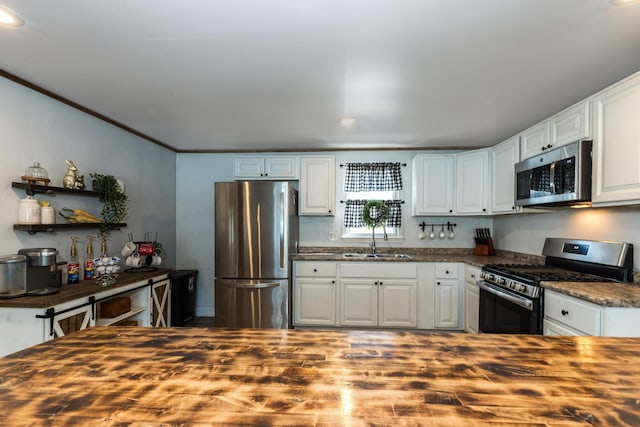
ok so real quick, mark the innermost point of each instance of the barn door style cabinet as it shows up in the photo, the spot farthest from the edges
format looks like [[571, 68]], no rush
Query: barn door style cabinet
[[141, 303]]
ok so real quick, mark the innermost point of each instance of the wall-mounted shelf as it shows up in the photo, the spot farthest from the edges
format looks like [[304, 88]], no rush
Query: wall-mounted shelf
[[32, 189], [50, 228]]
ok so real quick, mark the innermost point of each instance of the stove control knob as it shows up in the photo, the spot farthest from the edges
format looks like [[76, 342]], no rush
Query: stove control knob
[[522, 288], [500, 281], [490, 277], [512, 285]]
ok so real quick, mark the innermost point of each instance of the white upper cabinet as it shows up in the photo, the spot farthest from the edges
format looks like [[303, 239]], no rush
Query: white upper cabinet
[[616, 143], [570, 125], [472, 182], [276, 167], [317, 185], [504, 156], [433, 184], [534, 140]]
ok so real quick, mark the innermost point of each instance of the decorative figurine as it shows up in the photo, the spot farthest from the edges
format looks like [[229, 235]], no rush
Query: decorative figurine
[[79, 185], [70, 178]]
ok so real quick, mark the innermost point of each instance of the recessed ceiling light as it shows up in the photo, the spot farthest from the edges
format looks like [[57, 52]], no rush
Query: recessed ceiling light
[[347, 122], [9, 18], [622, 2]]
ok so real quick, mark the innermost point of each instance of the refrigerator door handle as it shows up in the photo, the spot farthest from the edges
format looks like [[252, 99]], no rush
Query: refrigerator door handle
[[248, 285], [283, 220]]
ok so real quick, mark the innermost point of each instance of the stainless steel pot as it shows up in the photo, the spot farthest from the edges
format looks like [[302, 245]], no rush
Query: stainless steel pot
[[40, 257], [13, 276]]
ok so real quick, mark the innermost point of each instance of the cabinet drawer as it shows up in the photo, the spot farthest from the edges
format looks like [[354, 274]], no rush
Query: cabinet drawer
[[315, 269], [379, 269], [580, 315], [471, 275], [447, 270]]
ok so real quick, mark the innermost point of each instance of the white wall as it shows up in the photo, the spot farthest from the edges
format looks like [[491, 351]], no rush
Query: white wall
[[37, 128], [196, 174], [526, 233]]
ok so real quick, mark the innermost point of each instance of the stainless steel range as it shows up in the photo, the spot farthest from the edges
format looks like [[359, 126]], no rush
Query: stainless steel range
[[511, 299]]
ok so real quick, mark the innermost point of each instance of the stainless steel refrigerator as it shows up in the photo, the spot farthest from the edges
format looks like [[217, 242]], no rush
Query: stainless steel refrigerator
[[256, 233]]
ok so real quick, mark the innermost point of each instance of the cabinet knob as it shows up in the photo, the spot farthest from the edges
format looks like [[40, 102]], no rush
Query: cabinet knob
[[447, 272], [450, 210], [329, 210], [473, 276], [513, 207], [437, 283], [375, 283], [315, 270], [261, 174], [381, 283], [564, 312], [333, 281]]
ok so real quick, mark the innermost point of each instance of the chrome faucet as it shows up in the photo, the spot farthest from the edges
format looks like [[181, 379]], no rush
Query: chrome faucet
[[373, 237]]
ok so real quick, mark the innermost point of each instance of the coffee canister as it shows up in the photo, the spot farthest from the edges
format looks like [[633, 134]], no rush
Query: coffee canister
[[47, 215], [13, 276], [29, 211]]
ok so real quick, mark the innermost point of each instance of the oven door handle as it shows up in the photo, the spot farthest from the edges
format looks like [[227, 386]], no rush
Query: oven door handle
[[518, 300]]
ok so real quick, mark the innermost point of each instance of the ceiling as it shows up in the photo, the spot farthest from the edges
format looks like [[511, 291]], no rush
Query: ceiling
[[253, 75]]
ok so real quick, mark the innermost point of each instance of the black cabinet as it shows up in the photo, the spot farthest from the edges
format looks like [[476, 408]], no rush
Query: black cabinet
[[183, 296]]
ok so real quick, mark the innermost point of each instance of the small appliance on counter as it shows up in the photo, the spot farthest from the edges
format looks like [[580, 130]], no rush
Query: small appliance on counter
[[13, 276], [43, 275]]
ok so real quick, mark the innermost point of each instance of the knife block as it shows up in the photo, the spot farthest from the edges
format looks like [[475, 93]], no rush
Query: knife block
[[484, 247]]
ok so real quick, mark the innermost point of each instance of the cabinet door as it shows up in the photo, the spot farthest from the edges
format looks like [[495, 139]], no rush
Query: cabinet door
[[472, 182], [359, 302], [314, 302], [446, 309], [281, 167], [73, 320], [317, 185], [552, 328], [160, 303], [570, 125], [534, 140], [472, 308], [433, 189], [397, 303], [503, 180], [616, 143], [248, 167]]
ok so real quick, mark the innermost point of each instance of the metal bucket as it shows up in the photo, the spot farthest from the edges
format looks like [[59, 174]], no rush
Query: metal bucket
[[13, 276]]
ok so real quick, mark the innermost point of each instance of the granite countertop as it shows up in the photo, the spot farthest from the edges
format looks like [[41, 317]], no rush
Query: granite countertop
[[464, 255], [199, 376], [606, 294], [80, 290]]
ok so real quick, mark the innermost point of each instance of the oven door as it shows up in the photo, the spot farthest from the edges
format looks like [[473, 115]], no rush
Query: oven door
[[505, 312]]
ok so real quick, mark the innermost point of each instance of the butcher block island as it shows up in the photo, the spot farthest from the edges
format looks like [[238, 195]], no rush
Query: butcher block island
[[197, 376]]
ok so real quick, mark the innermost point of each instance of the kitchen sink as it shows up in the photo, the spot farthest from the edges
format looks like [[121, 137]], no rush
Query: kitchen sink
[[385, 256]]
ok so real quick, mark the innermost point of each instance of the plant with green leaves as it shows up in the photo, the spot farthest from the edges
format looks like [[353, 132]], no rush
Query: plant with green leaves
[[114, 208]]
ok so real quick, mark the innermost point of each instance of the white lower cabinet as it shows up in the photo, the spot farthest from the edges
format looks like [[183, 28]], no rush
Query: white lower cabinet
[[566, 315], [471, 299], [378, 294], [447, 290], [314, 293], [24, 327]]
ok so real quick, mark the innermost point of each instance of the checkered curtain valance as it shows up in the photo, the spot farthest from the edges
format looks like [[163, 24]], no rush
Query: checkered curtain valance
[[373, 177], [353, 213]]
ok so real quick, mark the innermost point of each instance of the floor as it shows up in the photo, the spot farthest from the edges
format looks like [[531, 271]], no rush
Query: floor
[[200, 322]]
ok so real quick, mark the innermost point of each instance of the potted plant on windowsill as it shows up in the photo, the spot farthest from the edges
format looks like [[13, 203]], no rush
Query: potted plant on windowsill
[[114, 208]]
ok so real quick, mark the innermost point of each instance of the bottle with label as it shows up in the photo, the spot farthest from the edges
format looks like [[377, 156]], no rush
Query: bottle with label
[[73, 266], [89, 265]]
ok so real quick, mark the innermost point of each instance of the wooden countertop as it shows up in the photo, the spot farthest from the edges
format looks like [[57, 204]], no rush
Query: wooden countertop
[[79, 290], [192, 376]]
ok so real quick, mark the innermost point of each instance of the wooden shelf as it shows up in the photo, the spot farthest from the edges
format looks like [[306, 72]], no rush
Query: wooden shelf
[[32, 189], [123, 316], [50, 228]]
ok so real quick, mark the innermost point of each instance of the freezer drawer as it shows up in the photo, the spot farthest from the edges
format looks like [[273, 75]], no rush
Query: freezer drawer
[[252, 303]]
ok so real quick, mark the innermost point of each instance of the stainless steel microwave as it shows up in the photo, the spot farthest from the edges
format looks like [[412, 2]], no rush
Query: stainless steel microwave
[[558, 177]]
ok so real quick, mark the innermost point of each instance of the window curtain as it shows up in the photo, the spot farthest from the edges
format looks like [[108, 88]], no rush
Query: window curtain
[[373, 177], [353, 213]]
